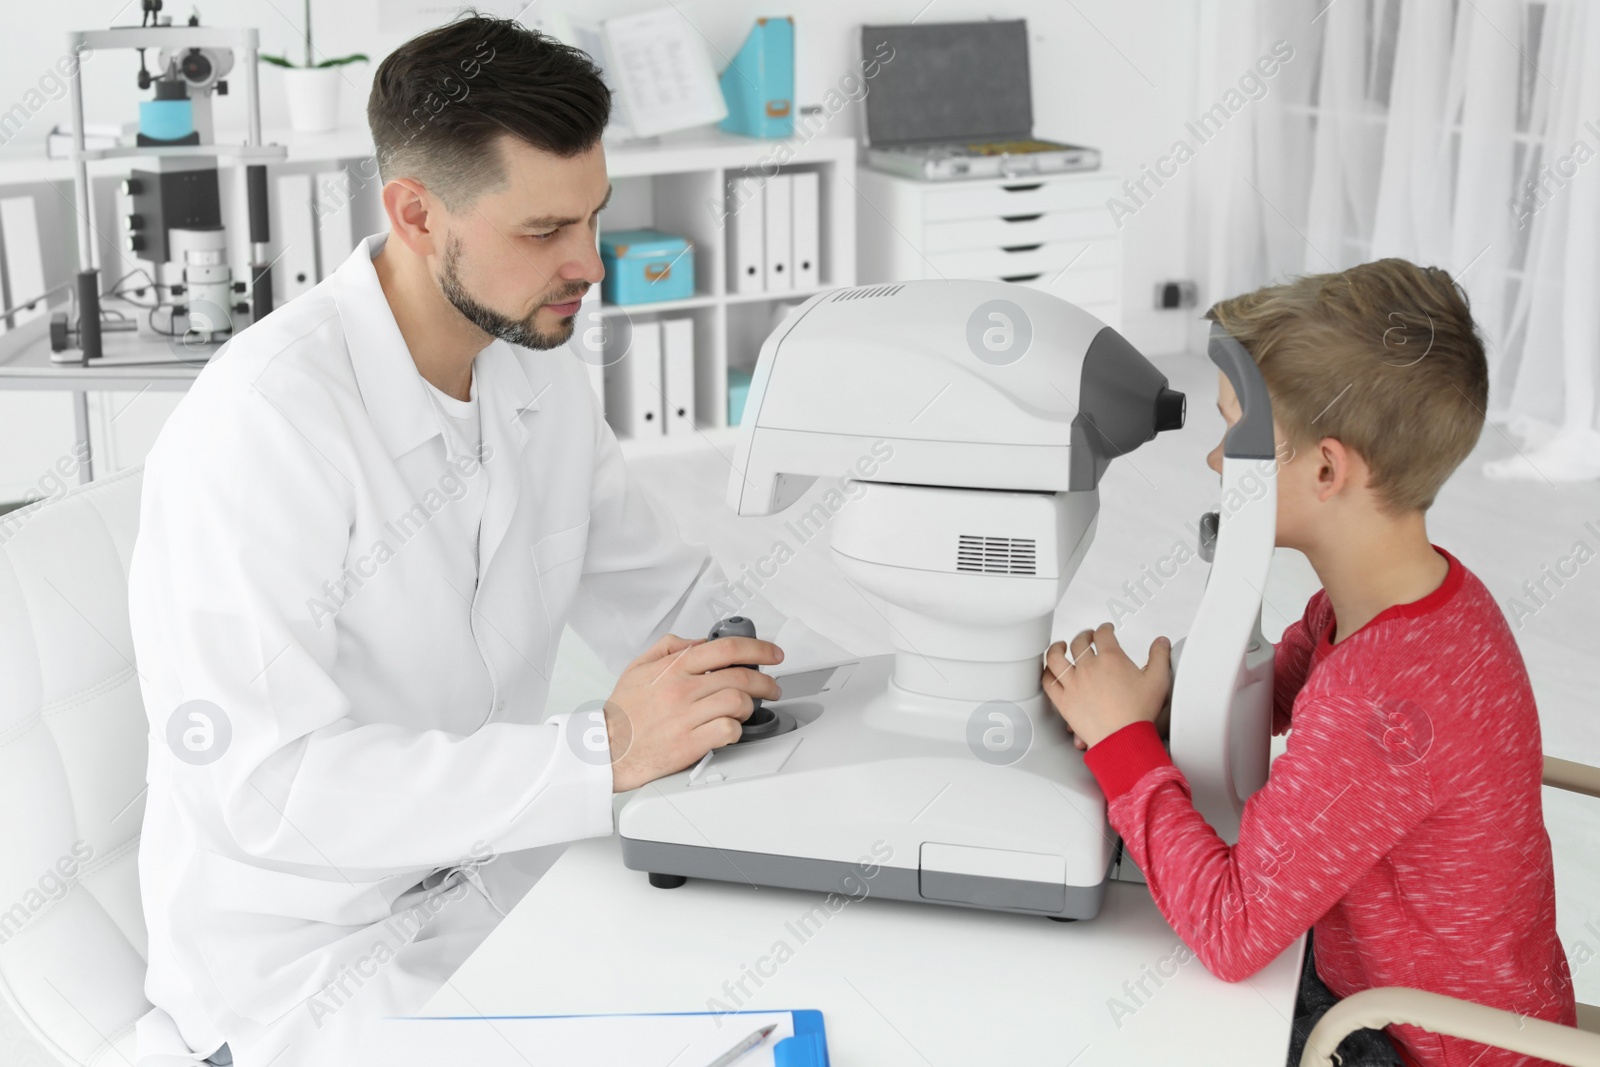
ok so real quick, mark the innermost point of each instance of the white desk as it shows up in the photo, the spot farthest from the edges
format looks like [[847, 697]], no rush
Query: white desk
[[897, 983], [25, 363]]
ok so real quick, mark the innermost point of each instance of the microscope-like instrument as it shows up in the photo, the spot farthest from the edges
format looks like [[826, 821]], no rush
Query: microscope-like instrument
[[176, 264]]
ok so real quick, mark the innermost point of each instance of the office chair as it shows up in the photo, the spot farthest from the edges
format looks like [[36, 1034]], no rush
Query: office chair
[[72, 773]]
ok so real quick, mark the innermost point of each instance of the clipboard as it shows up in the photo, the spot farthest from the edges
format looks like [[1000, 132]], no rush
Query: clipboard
[[645, 1039]]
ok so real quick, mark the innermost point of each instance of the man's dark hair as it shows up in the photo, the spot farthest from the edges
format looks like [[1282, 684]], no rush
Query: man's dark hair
[[441, 101]]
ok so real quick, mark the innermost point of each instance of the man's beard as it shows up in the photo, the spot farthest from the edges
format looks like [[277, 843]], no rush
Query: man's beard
[[521, 332]]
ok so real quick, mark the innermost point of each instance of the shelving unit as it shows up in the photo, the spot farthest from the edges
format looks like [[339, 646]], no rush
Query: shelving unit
[[675, 183], [678, 184]]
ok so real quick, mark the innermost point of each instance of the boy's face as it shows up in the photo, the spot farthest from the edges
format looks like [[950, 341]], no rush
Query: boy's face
[[1297, 492]]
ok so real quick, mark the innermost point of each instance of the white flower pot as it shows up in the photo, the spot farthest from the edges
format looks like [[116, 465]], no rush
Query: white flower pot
[[313, 94]]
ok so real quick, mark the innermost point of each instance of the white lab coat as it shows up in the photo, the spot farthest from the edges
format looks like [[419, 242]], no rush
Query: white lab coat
[[287, 571]]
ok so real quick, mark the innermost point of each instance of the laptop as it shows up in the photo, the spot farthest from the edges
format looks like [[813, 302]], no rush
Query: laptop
[[955, 100]]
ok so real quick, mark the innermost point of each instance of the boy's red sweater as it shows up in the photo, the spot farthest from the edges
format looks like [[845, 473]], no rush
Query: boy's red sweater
[[1403, 821]]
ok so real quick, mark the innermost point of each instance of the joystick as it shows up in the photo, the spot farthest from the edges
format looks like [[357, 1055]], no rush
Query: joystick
[[763, 721]]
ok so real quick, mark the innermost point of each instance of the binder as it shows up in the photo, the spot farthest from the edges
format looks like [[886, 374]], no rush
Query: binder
[[805, 208], [747, 258], [24, 256], [620, 1040], [293, 222], [633, 399], [778, 229], [336, 237], [677, 363]]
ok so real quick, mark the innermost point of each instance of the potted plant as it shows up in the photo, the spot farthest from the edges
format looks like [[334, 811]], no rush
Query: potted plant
[[312, 88]]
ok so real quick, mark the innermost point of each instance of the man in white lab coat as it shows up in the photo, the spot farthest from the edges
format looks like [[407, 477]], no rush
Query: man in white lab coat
[[362, 533]]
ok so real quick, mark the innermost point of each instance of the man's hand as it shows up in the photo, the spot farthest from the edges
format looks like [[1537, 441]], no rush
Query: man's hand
[[1099, 690], [681, 699]]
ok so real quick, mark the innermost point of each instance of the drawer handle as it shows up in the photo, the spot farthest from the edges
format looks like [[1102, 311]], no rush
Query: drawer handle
[[1030, 187], [1022, 248], [1021, 277], [1022, 218]]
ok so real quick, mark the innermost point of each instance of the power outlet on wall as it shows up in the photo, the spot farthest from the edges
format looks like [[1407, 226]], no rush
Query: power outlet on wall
[[1178, 294]]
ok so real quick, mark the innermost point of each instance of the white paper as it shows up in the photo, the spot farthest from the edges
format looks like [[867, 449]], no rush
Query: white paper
[[657, 62]]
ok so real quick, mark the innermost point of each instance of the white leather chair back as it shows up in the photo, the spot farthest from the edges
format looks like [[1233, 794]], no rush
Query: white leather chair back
[[73, 739]]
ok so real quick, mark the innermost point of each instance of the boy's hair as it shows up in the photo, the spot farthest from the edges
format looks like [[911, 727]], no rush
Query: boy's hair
[[441, 101], [1383, 357]]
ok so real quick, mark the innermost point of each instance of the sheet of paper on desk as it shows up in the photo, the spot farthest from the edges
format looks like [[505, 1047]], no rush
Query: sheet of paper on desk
[[690, 1040]]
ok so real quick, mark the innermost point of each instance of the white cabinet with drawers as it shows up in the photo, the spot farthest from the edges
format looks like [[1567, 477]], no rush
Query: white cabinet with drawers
[[1052, 232]]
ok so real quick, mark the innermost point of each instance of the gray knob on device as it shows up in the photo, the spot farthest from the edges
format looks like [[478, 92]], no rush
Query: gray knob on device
[[732, 626], [762, 720]]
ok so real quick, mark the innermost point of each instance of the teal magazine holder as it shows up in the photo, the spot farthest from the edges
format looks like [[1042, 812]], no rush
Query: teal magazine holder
[[759, 84]]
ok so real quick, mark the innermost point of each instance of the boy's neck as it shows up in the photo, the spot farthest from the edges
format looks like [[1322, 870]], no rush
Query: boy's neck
[[1374, 567]]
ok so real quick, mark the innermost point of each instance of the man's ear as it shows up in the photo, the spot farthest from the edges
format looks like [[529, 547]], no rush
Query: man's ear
[[414, 217]]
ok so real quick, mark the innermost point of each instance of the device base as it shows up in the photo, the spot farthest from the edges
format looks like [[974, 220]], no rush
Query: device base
[[670, 865]]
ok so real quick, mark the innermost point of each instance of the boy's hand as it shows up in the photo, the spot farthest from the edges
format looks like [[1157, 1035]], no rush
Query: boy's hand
[[1099, 690]]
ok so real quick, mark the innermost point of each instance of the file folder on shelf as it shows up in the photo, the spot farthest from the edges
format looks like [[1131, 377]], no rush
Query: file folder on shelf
[[692, 1039], [677, 372], [293, 215], [747, 256], [633, 400], [779, 238], [804, 208]]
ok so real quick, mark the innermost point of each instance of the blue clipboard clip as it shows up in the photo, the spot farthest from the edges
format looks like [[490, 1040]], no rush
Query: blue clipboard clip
[[809, 1045]]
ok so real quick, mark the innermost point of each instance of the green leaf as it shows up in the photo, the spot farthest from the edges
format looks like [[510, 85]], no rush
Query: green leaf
[[358, 57], [276, 61]]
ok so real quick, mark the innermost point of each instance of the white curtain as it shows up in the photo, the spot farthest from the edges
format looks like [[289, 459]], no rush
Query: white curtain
[[1459, 134], [1554, 389]]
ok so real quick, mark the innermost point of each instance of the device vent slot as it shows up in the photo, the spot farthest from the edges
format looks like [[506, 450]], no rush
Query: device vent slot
[[869, 292], [995, 555]]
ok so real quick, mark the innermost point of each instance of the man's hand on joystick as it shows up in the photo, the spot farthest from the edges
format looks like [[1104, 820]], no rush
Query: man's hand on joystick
[[682, 698]]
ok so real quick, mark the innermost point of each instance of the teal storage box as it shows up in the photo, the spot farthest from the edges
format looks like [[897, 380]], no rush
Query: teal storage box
[[758, 85], [738, 392], [645, 267]]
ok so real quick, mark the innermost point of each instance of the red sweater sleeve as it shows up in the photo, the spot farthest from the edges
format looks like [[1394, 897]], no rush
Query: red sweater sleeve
[[1330, 809]]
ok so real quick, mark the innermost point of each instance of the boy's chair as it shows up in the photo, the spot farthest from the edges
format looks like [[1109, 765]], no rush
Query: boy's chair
[[72, 774], [1375, 1008]]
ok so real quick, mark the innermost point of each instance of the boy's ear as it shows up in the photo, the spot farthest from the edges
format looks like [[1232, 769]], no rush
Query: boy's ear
[[1337, 468]]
